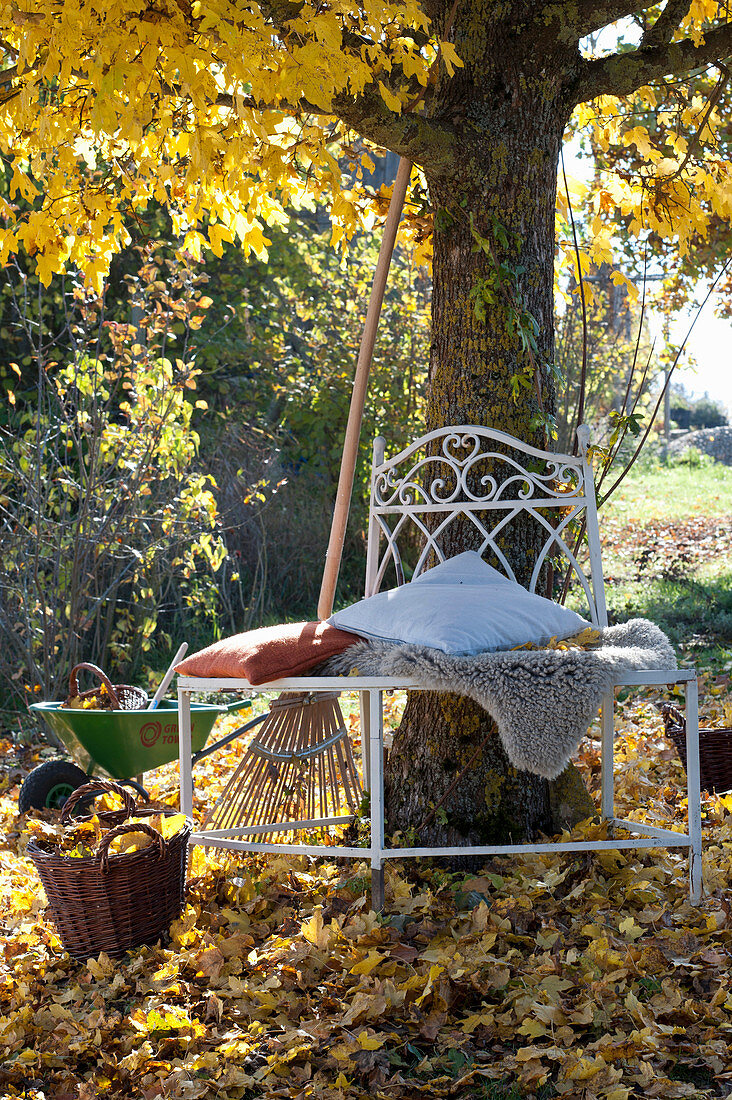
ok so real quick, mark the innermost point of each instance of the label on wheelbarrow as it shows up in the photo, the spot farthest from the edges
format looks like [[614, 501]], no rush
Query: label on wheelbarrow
[[152, 732]]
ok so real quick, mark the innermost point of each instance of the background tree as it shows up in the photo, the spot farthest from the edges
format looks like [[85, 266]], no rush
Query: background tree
[[226, 111], [269, 348], [278, 382], [693, 413]]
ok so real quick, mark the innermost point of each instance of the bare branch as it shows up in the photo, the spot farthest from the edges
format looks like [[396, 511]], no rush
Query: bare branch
[[621, 74], [668, 22]]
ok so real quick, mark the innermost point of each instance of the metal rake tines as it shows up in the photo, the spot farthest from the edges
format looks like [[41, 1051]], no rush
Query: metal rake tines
[[300, 767]]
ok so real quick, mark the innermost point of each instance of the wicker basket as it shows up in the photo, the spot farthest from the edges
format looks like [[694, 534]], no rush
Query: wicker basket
[[715, 750], [120, 696], [109, 902]]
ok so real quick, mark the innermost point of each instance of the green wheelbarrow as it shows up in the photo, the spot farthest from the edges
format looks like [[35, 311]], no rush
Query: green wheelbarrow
[[119, 743]]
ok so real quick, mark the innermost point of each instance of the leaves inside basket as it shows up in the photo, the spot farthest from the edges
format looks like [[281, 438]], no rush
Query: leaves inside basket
[[80, 839], [91, 700]]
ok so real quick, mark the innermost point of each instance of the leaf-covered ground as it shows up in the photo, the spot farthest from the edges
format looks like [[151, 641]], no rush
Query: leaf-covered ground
[[538, 976]]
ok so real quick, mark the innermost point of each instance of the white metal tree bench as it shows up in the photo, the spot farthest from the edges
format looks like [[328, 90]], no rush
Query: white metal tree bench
[[489, 481]]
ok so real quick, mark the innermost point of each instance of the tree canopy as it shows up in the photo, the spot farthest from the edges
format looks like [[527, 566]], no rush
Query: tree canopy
[[228, 112]]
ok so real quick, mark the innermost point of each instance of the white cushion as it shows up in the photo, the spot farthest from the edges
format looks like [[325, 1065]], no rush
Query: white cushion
[[460, 606]]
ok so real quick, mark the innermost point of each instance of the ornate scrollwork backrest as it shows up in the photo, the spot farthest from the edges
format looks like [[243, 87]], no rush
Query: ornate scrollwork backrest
[[492, 482]]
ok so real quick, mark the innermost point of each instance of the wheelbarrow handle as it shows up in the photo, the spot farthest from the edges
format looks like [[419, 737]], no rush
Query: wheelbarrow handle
[[240, 704], [203, 753], [170, 673]]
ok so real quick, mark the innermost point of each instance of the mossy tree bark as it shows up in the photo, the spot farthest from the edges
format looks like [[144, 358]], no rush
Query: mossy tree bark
[[492, 344]]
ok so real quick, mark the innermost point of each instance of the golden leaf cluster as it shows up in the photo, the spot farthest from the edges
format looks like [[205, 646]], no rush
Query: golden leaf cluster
[[212, 111]]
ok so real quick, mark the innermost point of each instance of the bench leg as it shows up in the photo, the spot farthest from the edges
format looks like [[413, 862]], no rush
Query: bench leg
[[607, 778], [691, 691], [376, 792], [185, 752], [365, 724], [378, 891]]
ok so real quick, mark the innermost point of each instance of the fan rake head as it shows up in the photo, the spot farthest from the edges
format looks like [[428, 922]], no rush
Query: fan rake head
[[299, 771]]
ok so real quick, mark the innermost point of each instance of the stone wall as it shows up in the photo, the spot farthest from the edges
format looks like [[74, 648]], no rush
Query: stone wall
[[716, 442]]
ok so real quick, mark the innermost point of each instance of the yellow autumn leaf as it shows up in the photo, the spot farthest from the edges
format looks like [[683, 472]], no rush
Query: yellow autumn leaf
[[478, 1019], [630, 929], [585, 1068], [167, 1019], [170, 824], [314, 930], [129, 843], [392, 101], [343, 1051], [434, 973], [450, 57], [370, 1042], [532, 1028], [365, 966]]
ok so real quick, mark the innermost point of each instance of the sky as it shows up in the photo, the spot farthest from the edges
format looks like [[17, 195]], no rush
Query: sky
[[710, 344]]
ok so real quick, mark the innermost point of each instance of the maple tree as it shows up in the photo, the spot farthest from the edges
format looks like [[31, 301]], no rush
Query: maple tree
[[226, 113]]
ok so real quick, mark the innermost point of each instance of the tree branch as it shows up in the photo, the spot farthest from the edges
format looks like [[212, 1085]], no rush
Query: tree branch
[[584, 18], [422, 140], [281, 11], [415, 137], [621, 74], [668, 22]]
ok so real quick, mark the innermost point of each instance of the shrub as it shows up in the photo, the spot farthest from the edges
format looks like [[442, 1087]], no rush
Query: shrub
[[103, 512]]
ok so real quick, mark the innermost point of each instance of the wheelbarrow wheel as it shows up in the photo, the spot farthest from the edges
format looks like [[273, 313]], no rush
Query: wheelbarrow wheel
[[49, 785]]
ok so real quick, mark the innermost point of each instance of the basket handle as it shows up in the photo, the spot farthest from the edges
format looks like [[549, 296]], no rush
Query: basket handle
[[98, 786], [74, 682], [120, 830], [672, 716]]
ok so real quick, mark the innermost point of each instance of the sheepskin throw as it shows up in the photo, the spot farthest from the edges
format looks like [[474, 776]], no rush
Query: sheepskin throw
[[542, 701]]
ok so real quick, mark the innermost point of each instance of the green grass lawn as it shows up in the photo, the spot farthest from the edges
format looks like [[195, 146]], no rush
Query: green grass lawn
[[672, 492], [667, 549]]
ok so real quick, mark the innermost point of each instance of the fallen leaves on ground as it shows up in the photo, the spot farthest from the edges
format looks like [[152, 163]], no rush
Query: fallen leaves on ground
[[663, 548], [586, 976]]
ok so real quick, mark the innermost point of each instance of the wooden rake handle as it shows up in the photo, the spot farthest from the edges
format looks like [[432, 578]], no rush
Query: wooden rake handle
[[358, 397]]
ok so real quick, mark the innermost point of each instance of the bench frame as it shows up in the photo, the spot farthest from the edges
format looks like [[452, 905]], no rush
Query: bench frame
[[439, 477]]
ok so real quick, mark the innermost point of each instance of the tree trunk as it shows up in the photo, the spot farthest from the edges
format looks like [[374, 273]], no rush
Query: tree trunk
[[491, 356]]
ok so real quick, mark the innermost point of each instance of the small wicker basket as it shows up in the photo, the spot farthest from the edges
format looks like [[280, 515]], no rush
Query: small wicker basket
[[113, 903], [119, 696], [715, 750]]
